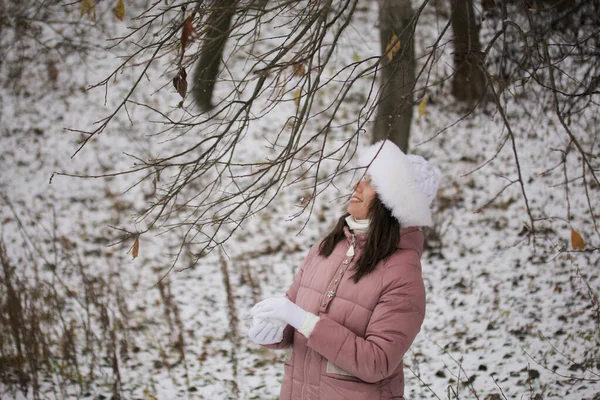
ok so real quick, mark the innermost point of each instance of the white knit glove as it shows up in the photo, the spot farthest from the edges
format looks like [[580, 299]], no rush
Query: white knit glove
[[265, 332], [280, 308]]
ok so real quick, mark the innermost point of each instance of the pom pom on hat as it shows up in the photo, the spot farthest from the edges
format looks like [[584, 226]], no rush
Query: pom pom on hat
[[405, 184], [426, 176]]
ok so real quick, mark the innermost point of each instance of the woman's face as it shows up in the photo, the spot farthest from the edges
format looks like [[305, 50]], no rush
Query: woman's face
[[361, 199]]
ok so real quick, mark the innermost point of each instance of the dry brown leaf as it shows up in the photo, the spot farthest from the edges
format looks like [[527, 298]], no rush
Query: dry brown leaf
[[299, 69], [188, 28], [180, 82], [576, 240], [87, 7], [392, 47], [120, 10], [422, 107], [136, 247], [297, 96], [153, 187]]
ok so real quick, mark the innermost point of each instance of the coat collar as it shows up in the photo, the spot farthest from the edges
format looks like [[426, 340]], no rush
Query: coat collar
[[411, 238], [359, 238]]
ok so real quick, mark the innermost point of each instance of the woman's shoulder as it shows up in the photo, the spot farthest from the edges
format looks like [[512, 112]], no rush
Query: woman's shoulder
[[403, 266], [314, 250], [404, 257]]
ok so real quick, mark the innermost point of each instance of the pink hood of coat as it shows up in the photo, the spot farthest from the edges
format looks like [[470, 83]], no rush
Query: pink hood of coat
[[356, 348]]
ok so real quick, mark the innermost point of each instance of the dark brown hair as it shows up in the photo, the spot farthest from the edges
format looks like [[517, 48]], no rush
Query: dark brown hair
[[382, 238]]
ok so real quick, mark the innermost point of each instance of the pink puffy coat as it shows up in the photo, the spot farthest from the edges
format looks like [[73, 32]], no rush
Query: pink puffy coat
[[355, 350]]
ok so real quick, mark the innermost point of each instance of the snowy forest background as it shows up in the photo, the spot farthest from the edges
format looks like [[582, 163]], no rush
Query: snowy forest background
[[139, 225]]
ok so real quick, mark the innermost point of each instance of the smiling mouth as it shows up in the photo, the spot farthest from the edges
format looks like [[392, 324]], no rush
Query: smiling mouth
[[354, 199]]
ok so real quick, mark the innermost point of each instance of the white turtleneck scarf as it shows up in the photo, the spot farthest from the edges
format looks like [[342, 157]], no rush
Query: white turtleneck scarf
[[356, 226]]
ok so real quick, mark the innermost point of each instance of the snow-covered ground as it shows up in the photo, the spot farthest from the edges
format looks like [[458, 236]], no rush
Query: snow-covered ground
[[506, 318]]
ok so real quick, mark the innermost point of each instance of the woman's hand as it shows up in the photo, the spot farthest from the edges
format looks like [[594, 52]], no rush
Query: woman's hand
[[265, 332], [280, 308]]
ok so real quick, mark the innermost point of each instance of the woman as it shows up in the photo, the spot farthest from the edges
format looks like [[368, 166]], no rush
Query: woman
[[358, 301]]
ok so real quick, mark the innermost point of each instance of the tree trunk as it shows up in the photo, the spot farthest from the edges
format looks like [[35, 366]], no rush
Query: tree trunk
[[207, 69], [394, 111], [468, 83]]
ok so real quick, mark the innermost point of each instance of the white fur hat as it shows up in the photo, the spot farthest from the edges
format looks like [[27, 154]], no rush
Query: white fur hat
[[406, 184]]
